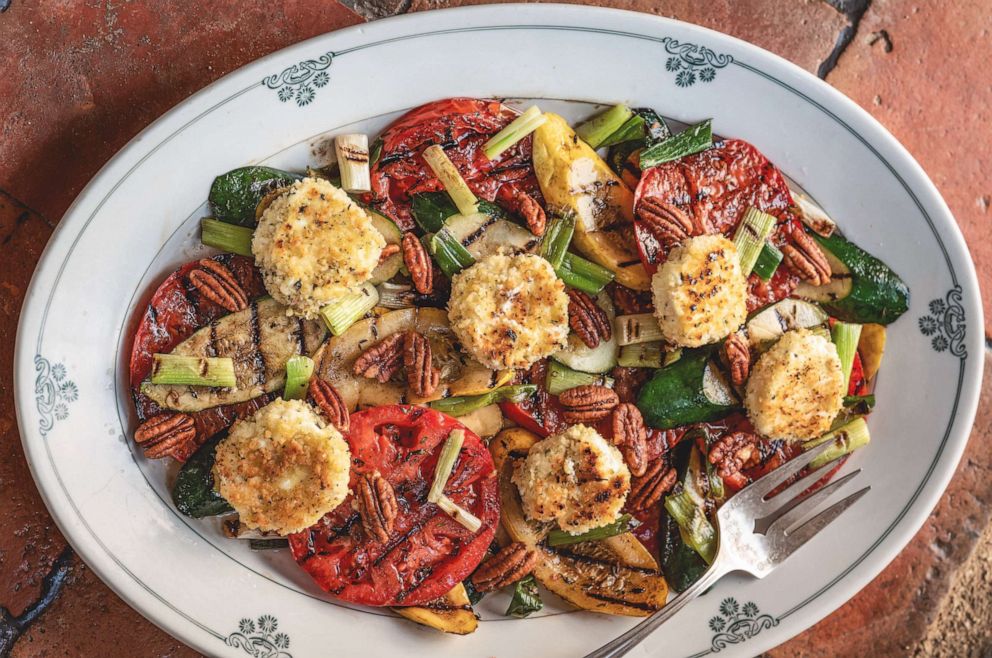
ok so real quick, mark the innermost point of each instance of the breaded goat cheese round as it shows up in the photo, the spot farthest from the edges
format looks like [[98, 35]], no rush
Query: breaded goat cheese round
[[576, 478], [283, 468], [796, 388], [313, 244], [700, 293], [509, 311]]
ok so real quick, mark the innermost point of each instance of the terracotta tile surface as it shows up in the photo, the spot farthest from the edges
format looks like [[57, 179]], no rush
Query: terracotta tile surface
[[81, 78], [920, 69], [802, 31]]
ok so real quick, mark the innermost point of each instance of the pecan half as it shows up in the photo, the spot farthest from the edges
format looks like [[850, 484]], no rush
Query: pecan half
[[377, 507], [215, 282], [648, 489], [627, 382], [162, 434], [736, 355], [421, 375], [587, 403], [382, 360], [387, 252], [669, 223], [512, 563], [523, 204], [587, 319], [804, 257], [735, 452], [326, 398], [419, 263], [629, 302], [630, 435]]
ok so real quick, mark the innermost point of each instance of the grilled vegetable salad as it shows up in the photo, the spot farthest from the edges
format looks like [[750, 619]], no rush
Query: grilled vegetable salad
[[488, 350]]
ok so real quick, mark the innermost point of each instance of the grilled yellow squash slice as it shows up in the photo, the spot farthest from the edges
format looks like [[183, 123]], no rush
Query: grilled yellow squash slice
[[451, 613], [615, 576]]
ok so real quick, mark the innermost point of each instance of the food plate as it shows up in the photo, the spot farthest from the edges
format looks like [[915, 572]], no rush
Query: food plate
[[139, 218]]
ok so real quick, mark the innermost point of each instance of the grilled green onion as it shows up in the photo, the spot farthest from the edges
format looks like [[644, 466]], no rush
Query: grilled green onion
[[353, 161], [299, 369], [462, 405], [750, 237], [688, 508], [691, 140], [526, 598], [446, 462], [584, 275], [633, 129], [193, 370], [460, 514], [449, 253], [813, 215], [268, 544], [453, 183], [226, 237], [396, 295], [560, 378], [637, 328], [349, 309], [596, 130], [618, 527], [846, 438], [556, 239], [845, 336], [768, 261], [642, 355], [515, 131]]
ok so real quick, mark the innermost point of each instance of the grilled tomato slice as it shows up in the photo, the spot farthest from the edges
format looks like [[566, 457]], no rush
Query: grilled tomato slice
[[461, 126], [427, 552], [715, 188]]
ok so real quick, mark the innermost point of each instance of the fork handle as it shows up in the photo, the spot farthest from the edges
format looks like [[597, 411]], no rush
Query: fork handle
[[621, 645]]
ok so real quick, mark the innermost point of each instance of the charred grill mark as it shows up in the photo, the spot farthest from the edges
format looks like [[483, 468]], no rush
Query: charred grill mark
[[443, 606], [300, 334], [629, 263], [628, 604], [419, 576], [588, 559], [517, 454], [478, 233], [256, 341], [212, 345], [396, 544]]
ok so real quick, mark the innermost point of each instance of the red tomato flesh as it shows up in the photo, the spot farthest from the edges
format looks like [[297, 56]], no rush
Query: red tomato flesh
[[716, 187], [428, 552], [461, 126], [174, 312]]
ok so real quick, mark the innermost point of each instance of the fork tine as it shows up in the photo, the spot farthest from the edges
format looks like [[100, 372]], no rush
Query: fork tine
[[794, 511], [793, 490], [768, 482], [805, 532]]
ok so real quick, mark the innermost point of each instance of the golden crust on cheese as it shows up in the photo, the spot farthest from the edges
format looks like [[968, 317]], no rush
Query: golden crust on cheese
[[509, 311], [313, 244], [700, 293], [576, 478], [796, 388], [283, 468]]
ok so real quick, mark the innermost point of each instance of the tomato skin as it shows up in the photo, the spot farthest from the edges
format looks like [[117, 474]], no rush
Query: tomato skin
[[716, 187], [174, 312], [428, 552], [462, 126]]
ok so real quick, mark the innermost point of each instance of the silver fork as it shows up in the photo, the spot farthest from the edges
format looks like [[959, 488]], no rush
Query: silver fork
[[756, 533]]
